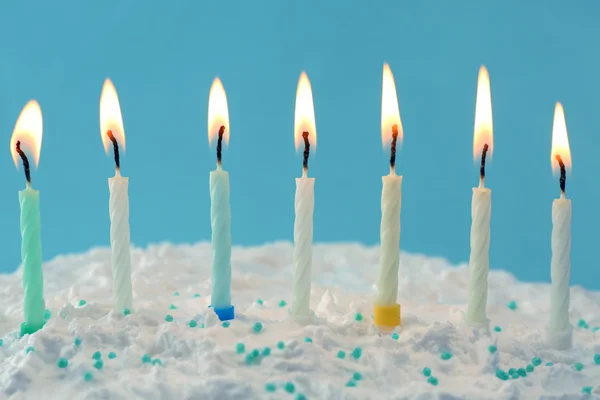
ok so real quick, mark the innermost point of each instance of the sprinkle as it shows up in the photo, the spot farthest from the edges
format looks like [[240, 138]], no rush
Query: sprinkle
[[29, 350], [432, 380], [578, 366], [1, 342], [492, 349], [266, 352], [501, 374], [255, 353], [358, 316], [98, 364], [356, 353], [82, 303], [282, 303], [240, 348], [156, 361], [146, 358], [126, 311], [280, 345], [586, 389], [202, 325], [395, 336], [522, 372], [196, 295], [192, 324], [536, 361], [597, 359], [172, 307], [97, 355], [169, 318], [270, 387], [512, 305], [497, 329], [88, 376], [341, 354], [176, 294], [357, 376], [47, 315], [308, 340], [226, 324], [351, 383], [427, 371], [512, 371], [62, 363], [249, 359], [529, 368], [300, 396], [289, 387], [596, 329], [259, 301], [257, 327], [77, 342], [549, 364], [112, 355], [582, 324], [446, 355]]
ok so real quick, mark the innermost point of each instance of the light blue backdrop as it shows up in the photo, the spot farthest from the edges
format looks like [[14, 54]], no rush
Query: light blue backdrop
[[162, 57]]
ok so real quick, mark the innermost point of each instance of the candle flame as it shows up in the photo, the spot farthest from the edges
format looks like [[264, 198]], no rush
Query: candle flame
[[218, 112], [390, 113], [484, 131], [304, 115], [560, 140], [110, 116], [28, 130]]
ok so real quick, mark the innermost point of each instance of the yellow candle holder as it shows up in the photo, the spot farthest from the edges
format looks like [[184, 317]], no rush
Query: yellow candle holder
[[386, 316]]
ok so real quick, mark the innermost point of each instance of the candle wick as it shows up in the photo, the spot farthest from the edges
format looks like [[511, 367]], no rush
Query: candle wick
[[393, 148], [563, 174], [116, 149], [25, 163], [482, 168], [220, 145], [306, 153]]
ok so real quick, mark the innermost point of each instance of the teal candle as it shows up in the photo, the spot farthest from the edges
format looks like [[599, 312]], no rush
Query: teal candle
[[220, 217]]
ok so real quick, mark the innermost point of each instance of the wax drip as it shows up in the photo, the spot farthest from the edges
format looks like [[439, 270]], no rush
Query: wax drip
[[306, 151], [25, 162], [482, 168], [220, 144], [563, 173], [393, 148], [116, 149]]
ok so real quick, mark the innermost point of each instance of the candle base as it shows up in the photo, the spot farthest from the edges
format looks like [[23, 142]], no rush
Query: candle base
[[559, 340], [483, 326], [386, 316], [225, 313], [310, 319], [30, 329]]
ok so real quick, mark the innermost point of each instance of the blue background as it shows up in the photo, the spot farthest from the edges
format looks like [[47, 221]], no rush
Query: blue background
[[163, 56]]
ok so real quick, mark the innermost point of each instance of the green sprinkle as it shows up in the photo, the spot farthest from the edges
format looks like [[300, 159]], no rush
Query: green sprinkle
[[596, 329], [29, 350], [512, 371], [192, 324], [270, 387], [280, 345], [98, 364], [536, 361], [266, 352], [249, 359], [289, 387], [300, 396], [196, 295], [582, 324], [226, 324], [357, 376], [549, 364], [259, 301], [47, 315], [446, 355], [202, 325], [257, 327], [156, 361], [358, 317], [169, 318], [497, 329], [586, 390], [395, 336], [172, 307], [88, 376], [1, 342], [432, 380], [597, 359], [112, 355], [240, 348], [356, 353], [578, 366], [126, 311], [146, 358], [97, 355], [82, 303], [522, 372], [427, 371], [176, 294], [62, 363], [492, 349], [308, 340], [512, 305], [77, 342], [501, 374], [529, 368], [351, 383], [341, 354], [255, 353], [282, 303]]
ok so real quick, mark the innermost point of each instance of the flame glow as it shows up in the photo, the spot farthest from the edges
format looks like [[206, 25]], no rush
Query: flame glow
[[304, 114], [218, 113], [390, 113], [110, 116], [28, 130], [560, 140], [484, 131]]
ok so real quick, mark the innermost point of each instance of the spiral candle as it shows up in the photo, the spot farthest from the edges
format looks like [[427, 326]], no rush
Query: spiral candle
[[120, 242], [560, 264], [220, 219]]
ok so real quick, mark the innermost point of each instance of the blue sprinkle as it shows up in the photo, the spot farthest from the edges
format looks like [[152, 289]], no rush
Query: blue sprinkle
[[586, 390], [259, 301], [29, 349], [512, 371], [169, 318], [512, 305], [536, 361], [47, 315], [176, 294], [82, 303], [98, 364], [62, 363], [282, 303], [357, 376], [395, 336], [582, 324], [172, 307], [249, 359], [226, 324], [192, 324], [497, 329], [77, 342], [156, 361], [308, 340], [427, 371], [112, 355], [549, 364], [270, 387], [1, 342], [446, 355], [255, 353], [579, 366], [529, 368], [146, 358], [597, 359], [289, 387], [341, 354], [492, 349], [257, 327], [97, 355], [351, 383], [196, 295], [522, 372], [596, 329], [88, 377], [356, 353], [126, 311], [358, 317], [501, 374], [432, 380], [300, 396], [280, 345], [266, 352], [240, 348]]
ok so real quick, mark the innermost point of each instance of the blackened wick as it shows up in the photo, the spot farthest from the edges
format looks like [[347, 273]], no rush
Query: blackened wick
[[483, 155], [115, 148], [393, 147], [563, 173], [220, 144], [306, 150], [25, 162]]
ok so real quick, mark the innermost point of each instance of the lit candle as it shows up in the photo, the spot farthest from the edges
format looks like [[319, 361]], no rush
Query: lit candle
[[481, 205], [561, 230], [386, 309], [305, 135], [220, 210], [113, 134], [28, 135]]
